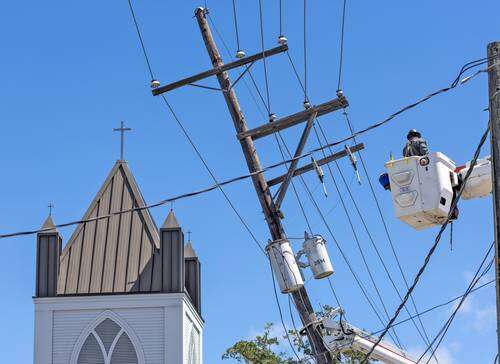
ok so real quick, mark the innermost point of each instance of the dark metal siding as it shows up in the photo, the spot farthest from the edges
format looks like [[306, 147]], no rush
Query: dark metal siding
[[172, 254], [48, 252], [192, 268]]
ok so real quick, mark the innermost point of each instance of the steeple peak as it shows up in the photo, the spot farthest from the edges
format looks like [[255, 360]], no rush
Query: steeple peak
[[49, 226], [170, 221]]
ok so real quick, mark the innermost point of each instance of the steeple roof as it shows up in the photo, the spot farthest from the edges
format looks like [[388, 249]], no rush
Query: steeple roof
[[49, 226], [189, 251], [170, 222], [115, 254]]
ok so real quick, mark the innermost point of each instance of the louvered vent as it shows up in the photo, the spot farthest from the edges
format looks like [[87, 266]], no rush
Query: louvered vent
[[91, 352], [124, 352]]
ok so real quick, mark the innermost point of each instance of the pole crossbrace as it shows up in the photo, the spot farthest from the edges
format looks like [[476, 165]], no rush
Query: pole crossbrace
[[220, 69], [293, 164], [294, 119], [320, 162]]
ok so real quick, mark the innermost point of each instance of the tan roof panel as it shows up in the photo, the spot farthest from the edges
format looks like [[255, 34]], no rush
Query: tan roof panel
[[118, 254]]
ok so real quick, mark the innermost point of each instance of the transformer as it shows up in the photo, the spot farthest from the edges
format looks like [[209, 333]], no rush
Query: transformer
[[317, 256], [284, 265]]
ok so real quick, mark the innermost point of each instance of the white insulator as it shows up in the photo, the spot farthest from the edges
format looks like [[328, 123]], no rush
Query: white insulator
[[272, 117], [240, 54], [155, 84], [317, 256], [285, 267], [282, 40]]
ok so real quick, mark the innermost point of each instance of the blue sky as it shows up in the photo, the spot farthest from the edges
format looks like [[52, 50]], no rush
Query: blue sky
[[72, 70]]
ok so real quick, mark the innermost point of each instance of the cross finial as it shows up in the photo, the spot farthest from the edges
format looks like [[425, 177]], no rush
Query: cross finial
[[189, 235], [50, 206], [122, 129]]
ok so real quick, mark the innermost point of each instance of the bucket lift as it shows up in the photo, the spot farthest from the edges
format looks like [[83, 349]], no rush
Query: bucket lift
[[423, 187], [339, 337]]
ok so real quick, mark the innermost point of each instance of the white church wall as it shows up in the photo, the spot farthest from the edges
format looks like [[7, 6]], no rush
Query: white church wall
[[156, 320]]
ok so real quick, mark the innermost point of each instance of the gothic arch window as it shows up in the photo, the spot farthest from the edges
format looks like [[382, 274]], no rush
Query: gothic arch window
[[108, 340]]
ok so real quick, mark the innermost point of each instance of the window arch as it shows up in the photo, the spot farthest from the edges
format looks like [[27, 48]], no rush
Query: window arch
[[108, 340]]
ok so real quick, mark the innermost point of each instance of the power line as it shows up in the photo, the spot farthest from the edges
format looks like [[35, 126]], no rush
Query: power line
[[433, 308], [425, 336], [305, 51], [433, 248], [344, 256], [442, 332], [341, 53], [421, 313], [356, 238], [236, 27], [132, 12], [188, 137], [352, 136], [360, 215], [261, 21]]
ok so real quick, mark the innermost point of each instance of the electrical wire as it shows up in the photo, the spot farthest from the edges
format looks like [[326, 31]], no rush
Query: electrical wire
[[344, 256], [235, 20], [268, 109], [423, 334], [341, 53], [188, 137], [345, 210], [281, 313], [281, 17], [143, 47], [433, 248], [305, 51], [477, 276], [356, 238], [264, 62]]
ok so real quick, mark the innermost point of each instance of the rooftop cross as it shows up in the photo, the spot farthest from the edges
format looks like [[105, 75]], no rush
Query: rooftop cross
[[50, 206], [189, 236], [122, 129]]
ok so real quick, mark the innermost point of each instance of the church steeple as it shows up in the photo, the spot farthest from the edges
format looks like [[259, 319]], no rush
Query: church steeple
[[172, 255], [48, 251], [192, 271]]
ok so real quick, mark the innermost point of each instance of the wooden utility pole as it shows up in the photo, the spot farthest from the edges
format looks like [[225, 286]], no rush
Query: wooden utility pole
[[300, 297], [246, 137], [494, 108]]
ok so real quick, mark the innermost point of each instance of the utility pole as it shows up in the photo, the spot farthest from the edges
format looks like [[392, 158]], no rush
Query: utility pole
[[246, 137], [271, 214], [494, 108]]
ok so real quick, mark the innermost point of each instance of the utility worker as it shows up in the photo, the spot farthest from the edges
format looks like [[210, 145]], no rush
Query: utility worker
[[416, 145]]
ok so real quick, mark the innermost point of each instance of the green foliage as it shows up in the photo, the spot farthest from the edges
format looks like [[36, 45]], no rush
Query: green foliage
[[263, 350], [258, 350]]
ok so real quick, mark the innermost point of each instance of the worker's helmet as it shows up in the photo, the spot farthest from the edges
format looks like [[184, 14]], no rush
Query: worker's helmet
[[413, 133]]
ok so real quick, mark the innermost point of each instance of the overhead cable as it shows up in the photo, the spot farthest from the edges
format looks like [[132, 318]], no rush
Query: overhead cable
[[433, 248], [474, 281], [424, 335]]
